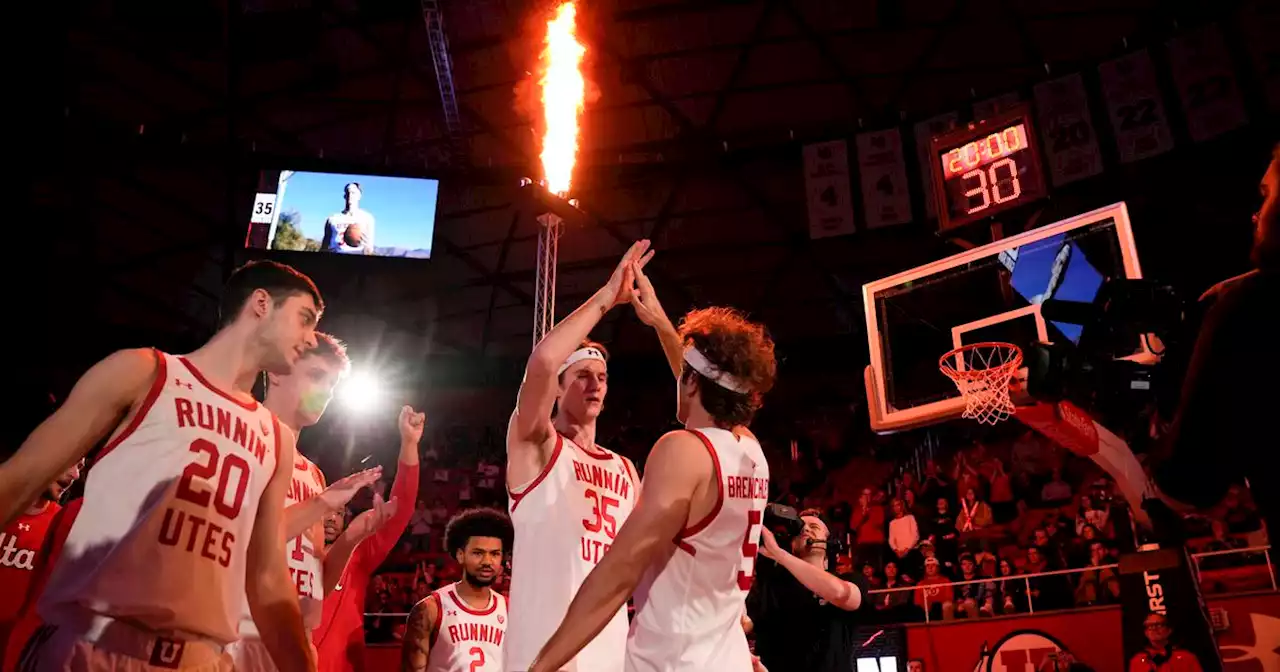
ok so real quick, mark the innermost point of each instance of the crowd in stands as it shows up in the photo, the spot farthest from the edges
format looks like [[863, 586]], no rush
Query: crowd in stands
[[995, 509]]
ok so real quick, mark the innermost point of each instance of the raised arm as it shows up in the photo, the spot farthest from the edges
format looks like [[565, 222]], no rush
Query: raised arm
[[650, 311], [829, 587], [416, 648], [104, 396], [528, 447], [273, 600], [302, 516], [675, 467]]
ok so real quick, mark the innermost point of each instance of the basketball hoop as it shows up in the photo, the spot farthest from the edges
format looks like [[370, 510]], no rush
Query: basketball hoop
[[982, 372]]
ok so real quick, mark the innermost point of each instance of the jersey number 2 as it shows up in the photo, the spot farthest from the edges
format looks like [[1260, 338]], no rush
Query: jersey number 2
[[477, 658], [231, 472], [745, 578]]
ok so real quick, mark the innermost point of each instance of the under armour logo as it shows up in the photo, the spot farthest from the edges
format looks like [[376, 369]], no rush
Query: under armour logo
[[179, 383], [451, 612], [24, 527]]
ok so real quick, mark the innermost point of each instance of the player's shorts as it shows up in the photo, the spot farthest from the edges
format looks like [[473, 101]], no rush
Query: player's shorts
[[106, 645], [250, 655]]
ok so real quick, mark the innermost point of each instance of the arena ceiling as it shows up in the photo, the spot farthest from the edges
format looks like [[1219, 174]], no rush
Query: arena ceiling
[[165, 109]]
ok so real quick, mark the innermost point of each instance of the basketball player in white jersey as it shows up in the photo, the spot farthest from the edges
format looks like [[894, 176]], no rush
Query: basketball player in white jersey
[[688, 550], [461, 627], [568, 495], [299, 399], [183, 509]]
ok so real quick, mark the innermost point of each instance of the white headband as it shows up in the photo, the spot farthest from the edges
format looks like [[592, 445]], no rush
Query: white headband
[[579, 355], [702, 365]]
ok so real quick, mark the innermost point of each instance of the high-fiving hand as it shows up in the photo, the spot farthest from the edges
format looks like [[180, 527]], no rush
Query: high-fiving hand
[[340, 492], [368, 522], [644, 300], [621, 284]]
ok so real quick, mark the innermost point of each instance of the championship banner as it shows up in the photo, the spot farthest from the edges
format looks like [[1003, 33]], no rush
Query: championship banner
[[1202, 71], [826, 184], [1137, 113], [1260, 23], [985, 109], [925, 131], [1164, 581], [1070, 142], [883, 171]]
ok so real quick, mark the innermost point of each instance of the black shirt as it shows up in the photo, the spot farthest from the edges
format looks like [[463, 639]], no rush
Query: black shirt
[[797, 630], [1227, 427]]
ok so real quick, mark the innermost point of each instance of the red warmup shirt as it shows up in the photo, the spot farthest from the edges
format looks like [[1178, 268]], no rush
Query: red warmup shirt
[[340, 637], [24, 572]]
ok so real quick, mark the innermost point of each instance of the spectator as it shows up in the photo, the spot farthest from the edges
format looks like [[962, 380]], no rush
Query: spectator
[[894, 601], [420, 526], [1056, 491], [1002, 502], [870, 579], [1098, 585], [904, 533], [1089, 514], [867, 523], [439, 511], [973, 599], [1010, 593], [1079, 551], [966, 475], [1238, 514], [935, 596], [909, 501], [935, 484], [975, 514], [942, 530], [945, 566]]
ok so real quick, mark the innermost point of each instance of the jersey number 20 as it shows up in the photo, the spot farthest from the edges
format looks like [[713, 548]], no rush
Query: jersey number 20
[[231, 472]]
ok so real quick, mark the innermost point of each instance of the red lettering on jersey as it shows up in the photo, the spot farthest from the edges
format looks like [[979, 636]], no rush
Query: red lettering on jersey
[[475, 632], [593, 549], [300, 491], [747, 487], [175, 527], [219, 421], [303, 581], [594, 474]]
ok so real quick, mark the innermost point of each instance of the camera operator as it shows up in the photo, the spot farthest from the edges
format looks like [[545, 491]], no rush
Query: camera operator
[[802, 613], [1225, 426]]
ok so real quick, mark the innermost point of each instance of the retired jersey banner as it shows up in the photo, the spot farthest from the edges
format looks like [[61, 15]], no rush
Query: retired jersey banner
[[1070, 143], [985, 109], [1137, 113], [826, 183], [1260, 23], [1211, 99], [883, 170], [925, 132]]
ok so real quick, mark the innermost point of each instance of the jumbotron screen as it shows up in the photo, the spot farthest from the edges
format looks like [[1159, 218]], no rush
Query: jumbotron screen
[[343, 213]]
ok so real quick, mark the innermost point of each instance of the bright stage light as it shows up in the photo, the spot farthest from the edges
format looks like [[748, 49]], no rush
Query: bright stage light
[[361, 392]]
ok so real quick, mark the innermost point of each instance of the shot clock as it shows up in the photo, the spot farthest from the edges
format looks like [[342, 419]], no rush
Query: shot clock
[[987, 168]]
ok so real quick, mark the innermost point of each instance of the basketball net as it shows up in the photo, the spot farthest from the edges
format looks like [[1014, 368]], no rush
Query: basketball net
[[982, 372]]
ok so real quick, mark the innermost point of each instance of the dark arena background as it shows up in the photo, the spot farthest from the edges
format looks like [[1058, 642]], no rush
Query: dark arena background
[[144, 131]]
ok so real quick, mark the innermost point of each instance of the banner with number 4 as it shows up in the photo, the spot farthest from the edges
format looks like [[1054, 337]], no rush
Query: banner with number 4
[[1136, 109]]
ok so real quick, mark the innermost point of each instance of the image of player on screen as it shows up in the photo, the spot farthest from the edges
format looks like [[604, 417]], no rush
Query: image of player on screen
[[349, 231]]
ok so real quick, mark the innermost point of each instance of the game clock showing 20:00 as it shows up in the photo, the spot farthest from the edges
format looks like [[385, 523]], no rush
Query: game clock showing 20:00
[[987, 168]]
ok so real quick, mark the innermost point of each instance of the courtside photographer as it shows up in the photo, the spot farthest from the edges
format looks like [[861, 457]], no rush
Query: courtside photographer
[[803, 614], [1225, 429]]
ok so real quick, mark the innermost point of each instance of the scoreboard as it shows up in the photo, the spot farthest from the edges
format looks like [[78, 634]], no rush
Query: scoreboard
[[987, 168]]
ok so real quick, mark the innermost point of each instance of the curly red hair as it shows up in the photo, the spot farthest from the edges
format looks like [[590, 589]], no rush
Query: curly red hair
[[736, 346]]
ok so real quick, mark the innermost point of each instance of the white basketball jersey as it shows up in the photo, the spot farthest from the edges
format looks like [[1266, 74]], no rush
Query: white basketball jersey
[[305, 568], [689, 607], [565, 520], [466, 639], [169, 508]]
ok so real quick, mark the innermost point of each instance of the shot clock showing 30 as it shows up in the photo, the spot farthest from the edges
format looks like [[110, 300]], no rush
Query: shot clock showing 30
[[987, 168]]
